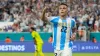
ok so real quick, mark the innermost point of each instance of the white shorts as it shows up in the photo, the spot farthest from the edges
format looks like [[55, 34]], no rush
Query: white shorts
[[66, 52]]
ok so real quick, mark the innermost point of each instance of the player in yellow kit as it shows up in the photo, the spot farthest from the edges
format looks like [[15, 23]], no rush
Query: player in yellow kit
[[37, 41]]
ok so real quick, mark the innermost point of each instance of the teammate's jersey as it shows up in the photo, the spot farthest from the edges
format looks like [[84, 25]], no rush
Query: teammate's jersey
[[62, 30], [37, 37]]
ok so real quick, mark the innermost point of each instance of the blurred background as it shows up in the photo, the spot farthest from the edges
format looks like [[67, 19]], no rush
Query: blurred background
[[19, 15]]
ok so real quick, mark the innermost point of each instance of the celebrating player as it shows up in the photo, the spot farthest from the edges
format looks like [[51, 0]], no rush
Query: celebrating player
[[62, 31], [37, 41]]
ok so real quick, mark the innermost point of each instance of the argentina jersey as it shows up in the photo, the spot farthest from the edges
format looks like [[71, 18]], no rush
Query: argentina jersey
[[62, 31]]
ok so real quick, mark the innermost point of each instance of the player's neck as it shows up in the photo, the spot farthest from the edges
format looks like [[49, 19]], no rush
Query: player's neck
[[63, 17]]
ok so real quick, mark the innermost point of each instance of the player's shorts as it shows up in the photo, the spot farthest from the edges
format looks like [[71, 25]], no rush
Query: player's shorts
[[66, 52]]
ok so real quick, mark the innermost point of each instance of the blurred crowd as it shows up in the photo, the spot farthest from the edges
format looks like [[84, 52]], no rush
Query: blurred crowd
[[27, 13]]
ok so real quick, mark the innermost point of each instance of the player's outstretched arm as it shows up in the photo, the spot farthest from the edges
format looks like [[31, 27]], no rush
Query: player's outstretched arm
[[43, 17]]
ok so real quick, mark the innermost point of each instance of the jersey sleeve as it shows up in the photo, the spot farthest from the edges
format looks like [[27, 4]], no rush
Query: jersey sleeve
[[72, 26], [73, 23], [52, 19]]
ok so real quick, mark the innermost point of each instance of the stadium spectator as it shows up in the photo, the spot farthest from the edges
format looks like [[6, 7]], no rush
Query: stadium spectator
[[94, 40], [27, 13], [96, 25], [22, 39], [8, 40], [81, 31], [50, 39]]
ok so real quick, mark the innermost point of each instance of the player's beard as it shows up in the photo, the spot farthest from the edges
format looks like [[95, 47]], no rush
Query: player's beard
[[64, 15]]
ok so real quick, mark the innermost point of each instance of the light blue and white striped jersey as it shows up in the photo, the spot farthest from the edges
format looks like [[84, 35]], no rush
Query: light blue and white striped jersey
[[62, 30]]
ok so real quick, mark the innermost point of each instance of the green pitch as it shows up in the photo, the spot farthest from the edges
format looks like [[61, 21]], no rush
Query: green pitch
[[47, 54]]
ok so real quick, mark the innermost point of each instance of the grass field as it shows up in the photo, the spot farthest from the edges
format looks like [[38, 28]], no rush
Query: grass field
[[47, 54]]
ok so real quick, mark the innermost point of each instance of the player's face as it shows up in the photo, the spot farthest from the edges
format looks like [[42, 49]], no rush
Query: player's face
[[63, 10]]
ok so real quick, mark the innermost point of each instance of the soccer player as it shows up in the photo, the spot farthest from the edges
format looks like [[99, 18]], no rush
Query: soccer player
[[37, 41], [62, 31]]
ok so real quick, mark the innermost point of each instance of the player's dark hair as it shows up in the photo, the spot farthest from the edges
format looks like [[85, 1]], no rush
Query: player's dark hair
[[51, 36], [93, 37], [33, 28], [23, 36], [64, 4], [7, 37]]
